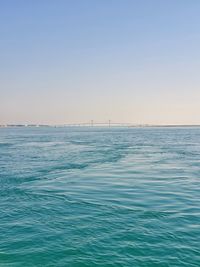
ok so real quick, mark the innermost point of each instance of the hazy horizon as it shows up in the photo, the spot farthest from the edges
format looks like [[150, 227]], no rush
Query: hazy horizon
[[76, 61]]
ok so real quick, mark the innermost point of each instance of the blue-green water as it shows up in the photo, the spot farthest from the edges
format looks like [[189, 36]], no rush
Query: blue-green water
[[82, 197]]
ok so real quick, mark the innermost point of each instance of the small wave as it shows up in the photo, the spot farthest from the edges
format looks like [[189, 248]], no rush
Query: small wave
[[5, 145], [67, 166]]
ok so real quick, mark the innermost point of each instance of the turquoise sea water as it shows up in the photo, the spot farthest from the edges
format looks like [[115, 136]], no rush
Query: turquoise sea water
[[82, 197]]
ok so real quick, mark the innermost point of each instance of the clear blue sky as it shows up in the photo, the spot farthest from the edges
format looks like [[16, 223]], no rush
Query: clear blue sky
[[65, 61]]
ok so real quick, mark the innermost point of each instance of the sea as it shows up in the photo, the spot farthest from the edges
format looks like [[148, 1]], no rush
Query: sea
[[100, 196]]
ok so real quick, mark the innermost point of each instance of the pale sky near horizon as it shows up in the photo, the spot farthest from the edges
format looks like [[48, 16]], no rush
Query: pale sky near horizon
[[64, 61]]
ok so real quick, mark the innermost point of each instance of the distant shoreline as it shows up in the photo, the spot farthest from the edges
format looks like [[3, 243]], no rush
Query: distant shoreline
[[128, 125]]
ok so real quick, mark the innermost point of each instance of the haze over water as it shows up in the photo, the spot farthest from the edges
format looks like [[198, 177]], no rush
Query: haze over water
[[100, 197]]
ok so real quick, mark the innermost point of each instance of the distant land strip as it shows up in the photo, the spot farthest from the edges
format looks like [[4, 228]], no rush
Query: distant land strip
[[101, 124]]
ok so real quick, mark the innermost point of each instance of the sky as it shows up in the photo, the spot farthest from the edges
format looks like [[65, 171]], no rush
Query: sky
[[71, 61]]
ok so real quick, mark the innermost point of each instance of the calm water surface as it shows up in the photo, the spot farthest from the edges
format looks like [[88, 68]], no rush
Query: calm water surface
[[83, 197]]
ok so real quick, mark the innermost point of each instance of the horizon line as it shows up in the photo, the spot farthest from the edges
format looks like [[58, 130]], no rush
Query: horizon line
[[95, 124]]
